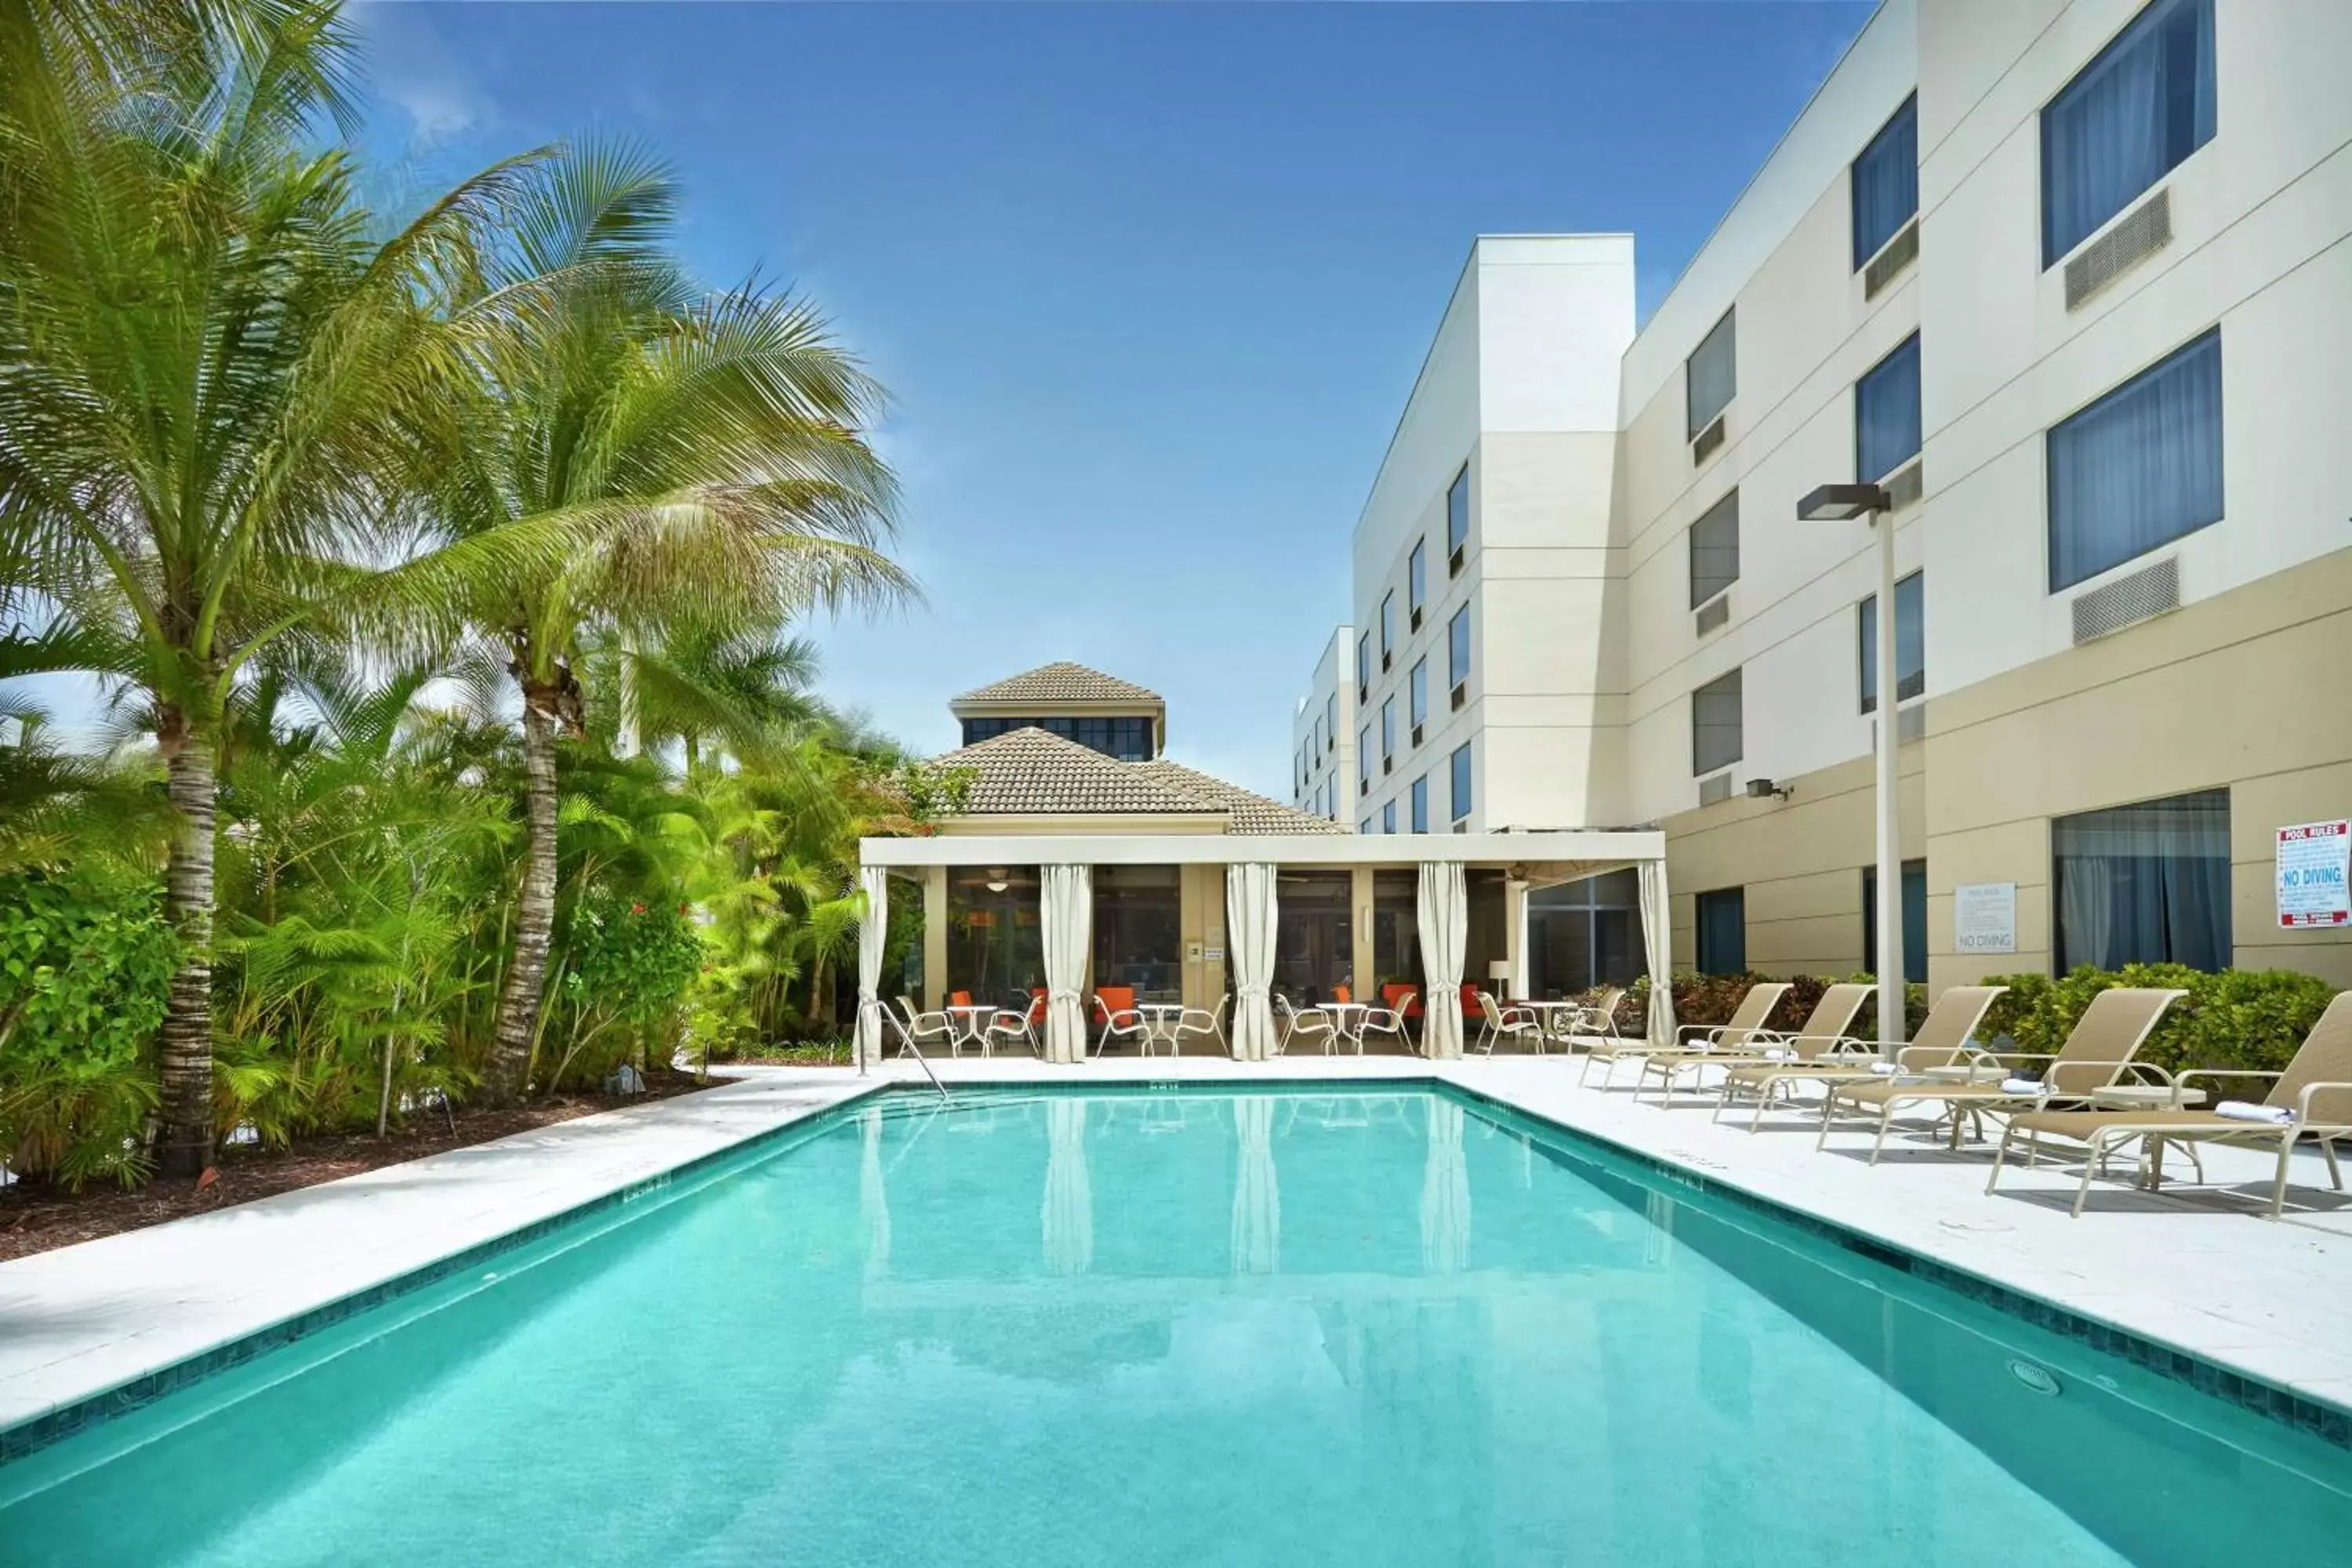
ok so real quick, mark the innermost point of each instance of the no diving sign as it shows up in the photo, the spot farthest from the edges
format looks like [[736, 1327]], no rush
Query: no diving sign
[[2313, 886]]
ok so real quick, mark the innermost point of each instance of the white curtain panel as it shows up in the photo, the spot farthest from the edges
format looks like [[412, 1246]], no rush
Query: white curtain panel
[[1250, 916], [1068, 1216], [1445, 1193], [1657, 940], [873, 932], [1443, 910], [1258, 1192], [1065, 914], [874, 1200]]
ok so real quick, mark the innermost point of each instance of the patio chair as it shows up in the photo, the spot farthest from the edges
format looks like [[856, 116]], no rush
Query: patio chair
[[1311, 1022], [1016, 1023], [1204, 1022], [925, 1028], [1745, 1020], [1387, 1019], [2312, 1098], [1824, 1031], [1944, 1036], [1595, 1021], [2097, 1054], [1403, 999], [1499, 1022], [1115, 1006]]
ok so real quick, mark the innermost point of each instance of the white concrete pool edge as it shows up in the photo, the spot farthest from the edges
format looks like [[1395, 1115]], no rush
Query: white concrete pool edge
[[2215, 1282], [83, 1320]]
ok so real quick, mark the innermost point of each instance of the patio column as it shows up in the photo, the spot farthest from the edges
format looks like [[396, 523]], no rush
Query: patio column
[[1364, 971], [1657, 942], [873, 932], [1250, 916], [1443, 912], [1066, 910], [935, 937], [1514, 934]]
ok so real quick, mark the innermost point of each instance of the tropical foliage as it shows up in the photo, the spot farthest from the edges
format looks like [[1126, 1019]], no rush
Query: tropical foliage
[[442, 570]]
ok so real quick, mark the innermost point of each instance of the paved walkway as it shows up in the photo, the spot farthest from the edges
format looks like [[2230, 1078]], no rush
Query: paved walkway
[[2197, 1271]]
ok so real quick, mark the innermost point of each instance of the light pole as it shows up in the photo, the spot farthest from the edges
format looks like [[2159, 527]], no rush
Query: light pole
[[1843, 503]]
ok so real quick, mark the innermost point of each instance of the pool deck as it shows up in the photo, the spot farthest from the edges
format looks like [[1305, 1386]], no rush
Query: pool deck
[[2190, 1269]]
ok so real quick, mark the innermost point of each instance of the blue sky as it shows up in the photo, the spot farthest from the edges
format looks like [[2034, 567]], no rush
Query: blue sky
[[1149, 284]]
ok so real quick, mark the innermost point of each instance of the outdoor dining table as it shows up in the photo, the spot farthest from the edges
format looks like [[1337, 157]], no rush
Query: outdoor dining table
[[972, 1020], [1347, 1018], [1548, 1012], [1160, 1021]]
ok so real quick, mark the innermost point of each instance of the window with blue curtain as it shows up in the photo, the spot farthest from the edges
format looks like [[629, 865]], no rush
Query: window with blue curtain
[[2148, 883], [1915, 920], [1420, 804], [2127, 119], [1458, 510], [1722, 920], [1461, 781], [2139, 467], [1886, 182], [1711, 375], [1457, 647], [1886, 414], [1417, 692], [1910, 642]]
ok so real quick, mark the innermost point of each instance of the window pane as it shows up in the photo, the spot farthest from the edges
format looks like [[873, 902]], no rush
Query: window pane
[[2139, 467], [1137, 937], [1887, 182], [1711, 375], [1416, 574], [1388, 728], [2146, 884], [2125, 120], [1716, 740], [1417, 690], [1388, 817], [1330, 717], [1461, 781], [1388, 622], [1714, 550], [1364, 755], [1363, 661], [1886, 413], [1723, 932], [1420, 804], [1457, 647], [1910, 642], [1915, 920], [1458, 510]]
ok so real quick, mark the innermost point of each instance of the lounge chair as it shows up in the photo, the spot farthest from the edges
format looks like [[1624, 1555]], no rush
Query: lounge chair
[[2096, 1055], [1945, 1037], [1824, 1032], [1745, 1020], [2312, 1098], [1500, 1023]]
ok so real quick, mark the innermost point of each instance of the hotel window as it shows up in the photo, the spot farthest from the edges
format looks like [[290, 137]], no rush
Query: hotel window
[[2128, 119], [1364, 759], [1388, 817], [2139, 467], [1330, 720], [1387, 733], [1461, 781], [1722, 931], [1457, 519], [1714, 550], [2144, 884], [1910, 642], [1388, 625], [1363, 666], [1420, 804], [1711, 375], [1417, 693], [1584, 933], [1416, 580], [1885, 182], [1915, 920], [1457, 647], [1365, 827], [1886, 414], [1716, 737]]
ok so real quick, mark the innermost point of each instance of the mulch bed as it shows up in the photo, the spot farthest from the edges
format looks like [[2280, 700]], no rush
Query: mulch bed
[[37, 1217]]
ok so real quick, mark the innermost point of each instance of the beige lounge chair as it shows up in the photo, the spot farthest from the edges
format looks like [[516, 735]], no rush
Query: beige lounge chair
[[1945, 1036], [2315, 1092], [2096, 1055], [1745, 1020], [1824, 1031], [1507, 1024]]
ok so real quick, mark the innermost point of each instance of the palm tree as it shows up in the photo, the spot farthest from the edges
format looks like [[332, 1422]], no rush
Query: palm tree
[[208, 368], [706, 450]]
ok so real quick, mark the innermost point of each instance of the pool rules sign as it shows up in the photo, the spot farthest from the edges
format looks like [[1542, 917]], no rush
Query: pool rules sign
[[2313, 886]]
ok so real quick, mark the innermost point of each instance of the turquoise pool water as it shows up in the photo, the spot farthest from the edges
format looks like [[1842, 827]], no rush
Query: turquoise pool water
[[1141, 1329]]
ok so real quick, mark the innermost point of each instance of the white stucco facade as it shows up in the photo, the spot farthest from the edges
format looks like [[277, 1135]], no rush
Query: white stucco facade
[[1323, 736]]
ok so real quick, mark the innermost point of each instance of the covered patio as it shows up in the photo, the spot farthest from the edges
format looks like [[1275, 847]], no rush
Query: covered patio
[[1047, 924]]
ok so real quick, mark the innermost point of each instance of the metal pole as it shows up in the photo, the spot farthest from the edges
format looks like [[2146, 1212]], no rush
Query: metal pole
[[1890, 830]]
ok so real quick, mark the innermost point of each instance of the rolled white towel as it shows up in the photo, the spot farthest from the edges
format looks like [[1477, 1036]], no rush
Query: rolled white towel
[[1779, 1054], [1886, 1070], [2247, 1110], [2023, 1086]]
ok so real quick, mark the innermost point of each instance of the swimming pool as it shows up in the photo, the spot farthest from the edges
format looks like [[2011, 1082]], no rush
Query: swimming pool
[[1047, 1328]]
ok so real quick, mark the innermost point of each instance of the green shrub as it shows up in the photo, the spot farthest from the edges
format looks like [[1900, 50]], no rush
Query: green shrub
[[1711, 999]]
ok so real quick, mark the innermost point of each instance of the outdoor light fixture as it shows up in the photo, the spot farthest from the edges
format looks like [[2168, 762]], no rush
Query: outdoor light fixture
[[1764, 789], [997, 881], [1846, 503]]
